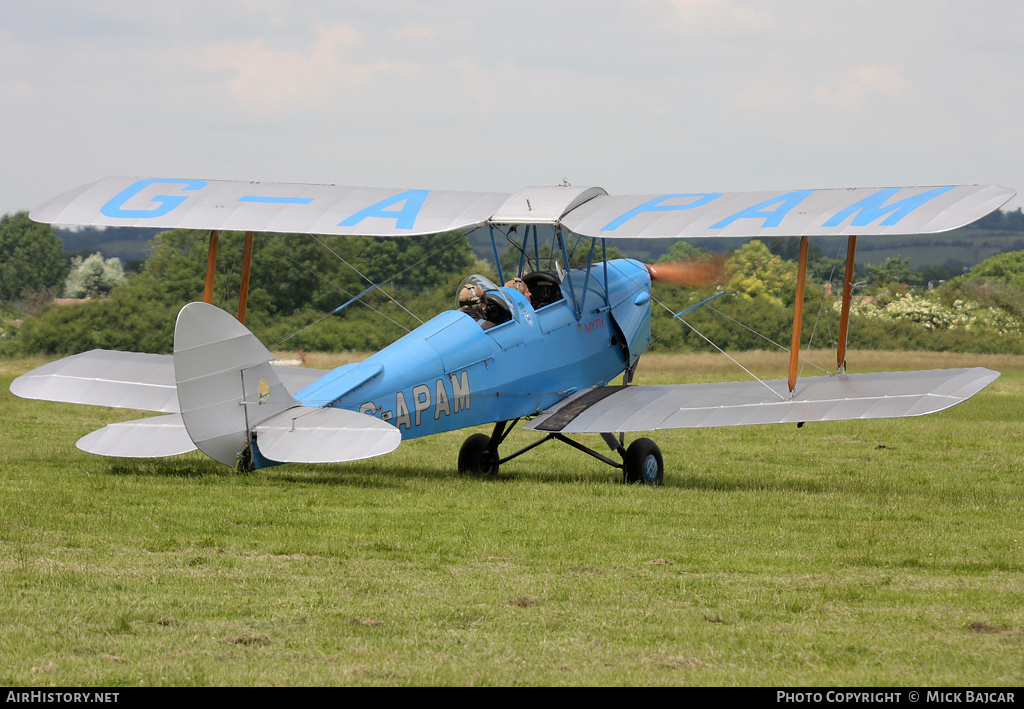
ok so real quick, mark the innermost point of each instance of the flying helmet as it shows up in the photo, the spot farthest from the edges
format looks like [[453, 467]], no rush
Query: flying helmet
[[470, 294]]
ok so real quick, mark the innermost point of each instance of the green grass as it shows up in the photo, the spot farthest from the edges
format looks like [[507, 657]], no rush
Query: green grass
[[861, 554]]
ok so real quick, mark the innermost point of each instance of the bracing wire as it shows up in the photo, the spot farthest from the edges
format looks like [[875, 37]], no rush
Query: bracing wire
[[821, 308], [361, 275], [803, 359]]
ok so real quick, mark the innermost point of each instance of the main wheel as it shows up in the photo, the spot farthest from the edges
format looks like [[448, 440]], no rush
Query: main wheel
[[643, 462], [475, 456]]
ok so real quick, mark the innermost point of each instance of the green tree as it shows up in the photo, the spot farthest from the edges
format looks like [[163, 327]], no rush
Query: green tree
[[547, 254], [417, 262], [683, 250], [895, 271], [93, 276], [1002, 268], [756, 273], [31, 256]]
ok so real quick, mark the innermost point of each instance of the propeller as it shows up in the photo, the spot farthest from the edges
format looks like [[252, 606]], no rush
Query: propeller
[[689, 273]]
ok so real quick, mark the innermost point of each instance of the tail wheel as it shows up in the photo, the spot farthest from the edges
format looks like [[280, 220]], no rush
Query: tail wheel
[[643, 462], [245, 464], [476, 456]]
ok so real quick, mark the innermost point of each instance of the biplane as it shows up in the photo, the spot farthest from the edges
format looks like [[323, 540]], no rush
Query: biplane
[[562, 360]]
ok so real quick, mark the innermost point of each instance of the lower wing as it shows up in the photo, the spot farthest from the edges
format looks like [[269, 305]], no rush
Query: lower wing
[[623, 409]]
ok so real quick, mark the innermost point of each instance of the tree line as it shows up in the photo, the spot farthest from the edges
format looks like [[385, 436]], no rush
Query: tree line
[[298, 280]]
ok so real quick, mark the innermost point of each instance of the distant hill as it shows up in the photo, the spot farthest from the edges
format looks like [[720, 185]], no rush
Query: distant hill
[[997, 233], [130, 244]]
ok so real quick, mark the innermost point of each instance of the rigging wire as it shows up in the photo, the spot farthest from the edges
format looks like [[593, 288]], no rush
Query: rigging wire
[[361, 275], [710, 342], [803, 359], [821, 309], [821, 306], [329, 314]]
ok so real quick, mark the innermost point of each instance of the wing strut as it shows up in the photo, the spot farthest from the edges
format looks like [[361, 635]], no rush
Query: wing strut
[[211, 271], [243, 291], [844, 318], [211, 266], [798, 314]]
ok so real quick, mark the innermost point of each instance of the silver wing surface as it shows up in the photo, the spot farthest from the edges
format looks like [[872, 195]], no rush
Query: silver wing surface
[[170, 203], [124, 380], [129, 380], [820, 212], [308, 434], [153, 437], [587, 211], [828, 398]]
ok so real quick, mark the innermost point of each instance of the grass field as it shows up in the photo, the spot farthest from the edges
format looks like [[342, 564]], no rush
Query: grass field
[[874, 553]]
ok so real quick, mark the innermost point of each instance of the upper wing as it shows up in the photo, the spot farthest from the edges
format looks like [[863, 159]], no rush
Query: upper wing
[[268, 207], [823, 212], [588, 211], [827, 398]]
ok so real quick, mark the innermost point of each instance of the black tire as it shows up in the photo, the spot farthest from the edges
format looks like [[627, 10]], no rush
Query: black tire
[[643, 462], [246, 464], [475, 456]]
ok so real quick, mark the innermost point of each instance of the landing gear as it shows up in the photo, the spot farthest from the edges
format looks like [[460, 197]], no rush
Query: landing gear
[[476, 456], [643, 463], [246, 464]]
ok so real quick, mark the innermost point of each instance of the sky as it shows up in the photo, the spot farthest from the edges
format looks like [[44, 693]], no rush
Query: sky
[[637, 97]]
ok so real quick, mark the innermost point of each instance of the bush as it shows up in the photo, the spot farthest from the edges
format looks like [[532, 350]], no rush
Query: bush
[[93, 276]]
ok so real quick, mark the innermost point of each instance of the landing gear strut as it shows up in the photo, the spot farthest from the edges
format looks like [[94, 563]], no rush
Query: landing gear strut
[[641, 462]]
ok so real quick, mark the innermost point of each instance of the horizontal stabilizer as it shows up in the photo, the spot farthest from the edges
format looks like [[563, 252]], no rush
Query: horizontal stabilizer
[[826, 398], [306, 434], [126, 380], [154, 437]]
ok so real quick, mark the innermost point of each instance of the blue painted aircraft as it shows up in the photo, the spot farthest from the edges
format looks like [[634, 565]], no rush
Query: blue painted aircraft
[[560, 352]]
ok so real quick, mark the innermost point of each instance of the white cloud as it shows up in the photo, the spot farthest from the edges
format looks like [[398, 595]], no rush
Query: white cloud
[[326, 75], [698, 17], [635, 96], [860, 83], [414, 32]]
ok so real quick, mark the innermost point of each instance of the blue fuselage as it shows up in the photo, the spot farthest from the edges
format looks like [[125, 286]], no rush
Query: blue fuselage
[[449, 373]]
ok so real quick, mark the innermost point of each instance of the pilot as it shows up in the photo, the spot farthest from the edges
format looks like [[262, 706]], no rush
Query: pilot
[[471, 302], [520, 285]]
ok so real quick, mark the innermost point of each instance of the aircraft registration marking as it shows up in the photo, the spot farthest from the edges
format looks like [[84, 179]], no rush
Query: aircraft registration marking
[[155, 197], [861, 213], [422, 399], [404, 207]]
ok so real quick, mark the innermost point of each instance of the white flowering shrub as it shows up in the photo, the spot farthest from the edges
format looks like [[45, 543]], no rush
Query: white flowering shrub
[[93, 276], [931, 314]]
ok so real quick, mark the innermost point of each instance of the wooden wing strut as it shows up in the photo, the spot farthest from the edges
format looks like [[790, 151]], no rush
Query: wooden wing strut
[[211, 266], [243, 291], [798, 314], [844, 318], [211, 271]]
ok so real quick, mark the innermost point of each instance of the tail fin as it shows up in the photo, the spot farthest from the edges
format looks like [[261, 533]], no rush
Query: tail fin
[[224, 381], [227, 388]]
